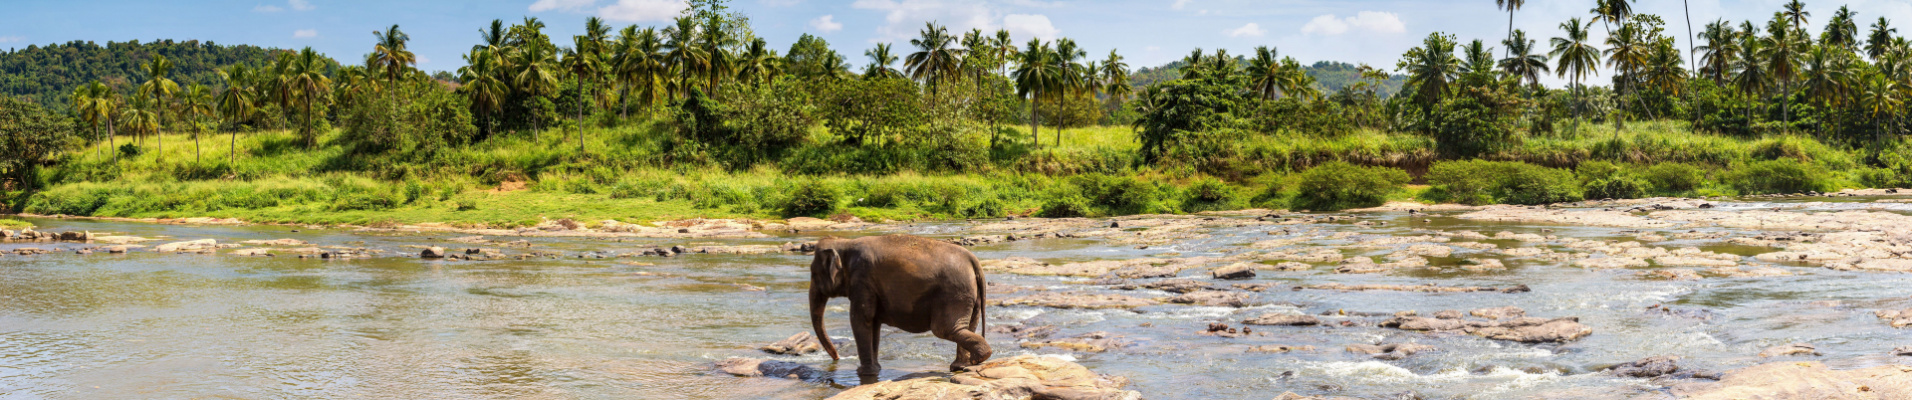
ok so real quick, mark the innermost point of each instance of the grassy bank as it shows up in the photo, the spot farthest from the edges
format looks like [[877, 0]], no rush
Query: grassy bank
[[627, 174]]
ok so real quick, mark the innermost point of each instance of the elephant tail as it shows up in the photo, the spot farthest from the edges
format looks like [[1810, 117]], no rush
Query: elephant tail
[[982, 297]]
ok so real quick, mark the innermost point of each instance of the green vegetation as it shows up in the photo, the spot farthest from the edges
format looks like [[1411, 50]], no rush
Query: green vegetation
[[699, 117]]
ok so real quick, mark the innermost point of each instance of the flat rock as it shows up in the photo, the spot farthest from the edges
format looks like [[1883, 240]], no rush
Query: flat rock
[[1649, 367], [1392, 351], [193, 245], [1237, 271], [1896, 318], [1804, 381], [1795, 349], [1508, 312], [1427, 288], [1279, 348], [275, 242], [1215, 298], [1075, 300], [1170, 285], [1610, 263], [1020, 377], [1284, 320], [757, 367], [1674, 274], [252, 252], [795, 345], [1093, 342]]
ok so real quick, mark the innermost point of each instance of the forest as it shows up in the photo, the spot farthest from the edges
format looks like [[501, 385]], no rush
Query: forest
[[699, 117]]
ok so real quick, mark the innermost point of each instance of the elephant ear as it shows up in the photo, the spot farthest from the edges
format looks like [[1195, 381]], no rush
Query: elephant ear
[[825, 270]]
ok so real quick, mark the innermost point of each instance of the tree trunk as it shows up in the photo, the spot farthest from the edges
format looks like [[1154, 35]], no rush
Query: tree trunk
[[1691, 64], [581, 93], [1035, 128], [110, 144], [196, 155], [232, 152], [1510, 31]]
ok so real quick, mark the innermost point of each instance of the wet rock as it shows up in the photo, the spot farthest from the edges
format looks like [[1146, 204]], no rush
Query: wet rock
[[1291, 266], [187, 246], [1075, 300], [1293, 396], [1483, 264], [1253, 287], [1448, 314], [1093, 342], [1317, 255], [1213, 298], [1278, 319], [120, 249], [1023, 331], [1896, 318], [1519, 329], [1573, 217], [757, 367], [1676, 274], [76, 236], [1650, 367], [1610, 263], [795, 345], [1902, 351], [1279, 348], [1393, 351], [1795, 349], [252, 252], [1427, 288], [31, 251], [1429, 250], [1236, 271], [1508, 312], [1804, 381], [1170, 285], [1020, 377], [275, 242], [1223, 330], [432, 253]]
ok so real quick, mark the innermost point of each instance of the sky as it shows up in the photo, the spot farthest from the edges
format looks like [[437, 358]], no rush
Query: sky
[[1146, 32]]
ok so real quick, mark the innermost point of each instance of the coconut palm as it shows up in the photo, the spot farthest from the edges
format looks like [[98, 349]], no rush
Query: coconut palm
[[481, 84], [1609, 12], [1036, 76], [1296, 82], [1511, 6], [681, 53], [935, 59], [195, 103], [160, 88], [235, 104], [1574, 56], [1004, 49], [1795, 12], [1523, 63], [582, 65], [95, 102], [493, 38], [1782, 48], [534, 74], [715, 43], [1880, 97], [1717, 55], [310, 86], [1880, 39], [1264, 73], [1826, 70], [140, 116], [391, 57], [1627, 52], [758, 65], [647, 66], [1431, 69], [1751, 77], [1842, 31], [1115, 74], [1478, 66], [880, 60], [1665, 70]]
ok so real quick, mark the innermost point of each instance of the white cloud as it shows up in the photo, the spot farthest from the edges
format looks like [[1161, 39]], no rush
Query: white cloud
[[566, 5], [300, 5], [779, 3], [906, 17], [1363, 22], [1035, 3], [826, 24], [1179, 4], [643, 10], [267, 8], [1025, 25], [305, 33], [423, 60], [1250, 30], [12, 39]]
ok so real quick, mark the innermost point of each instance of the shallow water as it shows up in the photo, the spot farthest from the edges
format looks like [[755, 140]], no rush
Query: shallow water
[[147, 325]]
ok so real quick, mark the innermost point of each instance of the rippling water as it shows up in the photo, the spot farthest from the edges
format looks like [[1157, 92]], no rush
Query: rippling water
[[146, 325]]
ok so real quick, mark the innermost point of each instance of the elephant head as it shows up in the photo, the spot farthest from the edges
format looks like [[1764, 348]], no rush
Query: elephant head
[[826, 275]]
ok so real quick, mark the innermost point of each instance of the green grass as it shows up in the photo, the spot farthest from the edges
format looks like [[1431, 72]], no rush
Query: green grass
[[9, 223]]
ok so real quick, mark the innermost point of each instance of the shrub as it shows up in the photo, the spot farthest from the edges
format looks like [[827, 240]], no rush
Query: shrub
[[1881, 178], [1119, 195], [1532, 184], [1477, 182], [413, 191], [1338, 186], [1777, 176], [1210, 194], [1674, 178], [1605, 180], [811, 198], [1064, 204]]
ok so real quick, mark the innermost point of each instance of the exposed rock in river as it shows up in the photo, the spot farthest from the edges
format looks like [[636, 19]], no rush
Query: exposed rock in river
[[1576, 217], [1392, 351], [1427, 288], [1795, 349], [1284, 320], [1896, 318], [1215, 298], [1020, 377], [1075, 300], [1649, 367], [1804, 381], [1518, 329], [1093, 342]]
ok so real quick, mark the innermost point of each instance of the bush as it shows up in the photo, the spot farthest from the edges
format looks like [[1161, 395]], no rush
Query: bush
[[1064, 203], [1605, 180], [1336, 186], [1674, 178], [1119, 195], [812, 198], [1210, 194], [1777, 176], [1477, 182]]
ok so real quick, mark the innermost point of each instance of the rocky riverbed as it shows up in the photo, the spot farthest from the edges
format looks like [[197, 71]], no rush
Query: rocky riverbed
[[1642, 299]]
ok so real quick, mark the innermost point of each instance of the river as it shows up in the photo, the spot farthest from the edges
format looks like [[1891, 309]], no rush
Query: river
[[150, 325]]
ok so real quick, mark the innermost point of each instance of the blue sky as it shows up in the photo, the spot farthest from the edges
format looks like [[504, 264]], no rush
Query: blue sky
[[1147, 32]]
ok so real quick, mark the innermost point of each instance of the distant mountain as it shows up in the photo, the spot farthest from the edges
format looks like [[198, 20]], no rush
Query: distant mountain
[[1330, 76], [48, 74]]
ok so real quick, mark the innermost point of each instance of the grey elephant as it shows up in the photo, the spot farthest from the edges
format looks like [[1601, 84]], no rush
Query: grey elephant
[[911, 283]]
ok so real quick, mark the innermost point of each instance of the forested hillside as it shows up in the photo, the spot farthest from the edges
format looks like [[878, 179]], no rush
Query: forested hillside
[[1330, 76], [48, 74]]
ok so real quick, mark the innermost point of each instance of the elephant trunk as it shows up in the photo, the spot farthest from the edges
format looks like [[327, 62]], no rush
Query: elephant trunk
[[817, 301]]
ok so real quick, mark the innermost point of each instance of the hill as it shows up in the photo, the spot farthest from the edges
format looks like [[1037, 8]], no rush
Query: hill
[[47, 75], [1330, 76]]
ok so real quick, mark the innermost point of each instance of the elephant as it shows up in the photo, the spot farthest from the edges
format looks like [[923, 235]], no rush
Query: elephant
[[908, 282]]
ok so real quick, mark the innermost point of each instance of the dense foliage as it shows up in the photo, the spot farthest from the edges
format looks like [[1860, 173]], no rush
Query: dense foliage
[[47, 74]]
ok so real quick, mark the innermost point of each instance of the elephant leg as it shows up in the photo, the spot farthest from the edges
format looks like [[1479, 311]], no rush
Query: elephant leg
[[952, 325], [867, 333]]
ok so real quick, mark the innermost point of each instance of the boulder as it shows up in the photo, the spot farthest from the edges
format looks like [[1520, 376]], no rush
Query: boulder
[[1804, 381], [251, 252], [1795, 349], [76, 236], [1093, 342], [795, 345], [1236, 271], [432, 253], [1508, 312], [1902, 351], [1284, 320], [1897, 318], [1393, 351], [1650, 367], [1020, 377], [1075, 300], [193, 245], [1214, 298], [1559, 330], [757, 367]]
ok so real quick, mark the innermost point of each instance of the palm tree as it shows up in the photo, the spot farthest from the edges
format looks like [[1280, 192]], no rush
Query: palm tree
[[1511, 6], [140, 116], [647, 67], [194, 103], [681, 52], [1296, 82], [161, 89], [392, 58], [1036, 76], [935, 60], [1880, 96], [1523, 63], [1576, 57], [493, 38], [94, 103], [1431, 69], [582, 64], [1688, 8], [759, 65], [1478, 67], [1004, 50], [1627, 53], [1842, 31], [1750, 75], [235, 104], [1609, 12], [1072, 78], [596, 35], [1827, 72], [1265, 73], [880, 60], [310, 87], [1115, 74], [1782, 49], [1795, 11], [715, 42], [1718, 54], [1880, 39], [534, 76], [482, 86]]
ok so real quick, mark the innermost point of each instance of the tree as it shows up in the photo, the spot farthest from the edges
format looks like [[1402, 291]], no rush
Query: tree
[[533, 76], [1431, 69], [1827, 70], [758, 65], [236, 104], [481, 84], [1522, 62], [1795, 12], [94, 103], [1842, 31], [1575, 57], [880, 60], [1511, 6], [1627, 52], [195, 103], [935, 59], [1265, 73], [161, 89], [309, 88], [1780, 51], [1115, 74], [28, 135], [581, 62], [1036, 76], [714, 42], [391, 56], [1720, 51], [1881, 38]]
